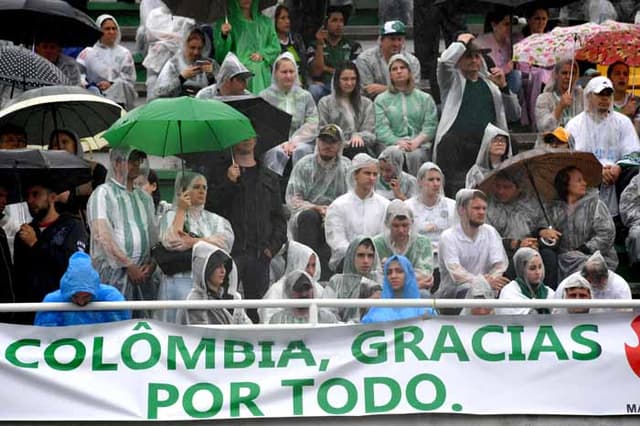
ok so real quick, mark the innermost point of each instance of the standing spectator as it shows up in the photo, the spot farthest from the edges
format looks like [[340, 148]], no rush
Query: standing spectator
[[47, 241], [393, 183], [494, 149], [50, 49], [231, 80], [470, 100], [123, 227], [358, 212], [329, 51], [373, 63], [248, 195], [108, 66], [251, 36], [405, 115], [291, 42], [624, 100], [187, 72], [81, 285], [351, 111]]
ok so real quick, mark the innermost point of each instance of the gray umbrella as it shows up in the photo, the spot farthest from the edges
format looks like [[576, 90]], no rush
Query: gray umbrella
[[22, 69]]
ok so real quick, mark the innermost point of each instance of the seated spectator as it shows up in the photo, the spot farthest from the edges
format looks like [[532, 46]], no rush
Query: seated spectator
[[405, 115], [605, 283], [361, 278], [358, 212], [393, 183], [299, 285], [291, 42], [529, 283], [231, 80], [624, 100], [214, 278], [329, 51], [558, 139], [108, 66], [373, 63], [81, 285], [495, 148], [399, 283], [575, 287], [285, 93], [187, 72], [354, 113], [316, 181], [480, 289], [399, 238], [50, 49], [12, 136], [579, 222], [630, 215]]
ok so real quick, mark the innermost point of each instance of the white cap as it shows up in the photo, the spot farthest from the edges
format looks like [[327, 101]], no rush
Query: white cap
[[598, 84]]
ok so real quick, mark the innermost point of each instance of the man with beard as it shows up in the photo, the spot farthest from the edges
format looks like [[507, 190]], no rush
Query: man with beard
[[42, 248], [471, 251], [316, 180]]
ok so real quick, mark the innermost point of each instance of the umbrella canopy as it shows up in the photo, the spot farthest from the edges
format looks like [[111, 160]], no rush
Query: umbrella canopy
[[63, 170], [206, 10], [41, 111], [518, 3], [614, 42], [23, 69], [27, 21], [172, 126]]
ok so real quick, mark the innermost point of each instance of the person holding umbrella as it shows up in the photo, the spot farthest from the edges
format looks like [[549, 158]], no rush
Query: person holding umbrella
[[231, 80], [49, 48]]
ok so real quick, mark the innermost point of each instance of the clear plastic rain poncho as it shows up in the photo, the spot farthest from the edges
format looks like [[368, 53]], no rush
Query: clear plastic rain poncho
[[351, 284], [480, 289], [483, 165], [393, 156], [522, 288], [230, 67], [630, 215], [113, 64], [430, 221], [206, 257], [409, 291], [298, 256], [418, 248], [589, 226], [122, 222], [295, 282]]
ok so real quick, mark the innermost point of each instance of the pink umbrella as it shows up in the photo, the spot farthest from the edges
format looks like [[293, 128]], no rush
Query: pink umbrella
[[614, 42]]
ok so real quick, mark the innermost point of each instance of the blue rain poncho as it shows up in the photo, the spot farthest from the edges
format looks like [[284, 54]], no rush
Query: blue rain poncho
[[81, 277]]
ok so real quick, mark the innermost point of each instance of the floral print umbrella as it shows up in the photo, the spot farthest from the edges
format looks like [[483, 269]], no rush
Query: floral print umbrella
[[616, 41]]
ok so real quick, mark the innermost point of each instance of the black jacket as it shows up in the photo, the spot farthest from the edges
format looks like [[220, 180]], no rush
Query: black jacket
[[7, 287]]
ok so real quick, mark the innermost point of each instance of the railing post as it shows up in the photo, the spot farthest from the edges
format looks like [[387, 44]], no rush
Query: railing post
[[313, 314]]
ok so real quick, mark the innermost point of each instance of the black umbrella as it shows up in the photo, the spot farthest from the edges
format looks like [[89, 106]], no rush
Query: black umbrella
[[27, 21], [22, 69], [518, 3], [206, 10], [59, 169]]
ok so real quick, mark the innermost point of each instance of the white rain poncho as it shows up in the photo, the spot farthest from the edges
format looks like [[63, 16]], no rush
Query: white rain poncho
[[608, 136], [462, 259], [430, 221], [349, 215], [483, 165], [204, 259], [521, 288], [298, 256], [230, 67], [111, 63], [394, 157], [294, 281], [480, 289], [123, 225], [316, 182], [589, 226], [630, 215], [351, 284]]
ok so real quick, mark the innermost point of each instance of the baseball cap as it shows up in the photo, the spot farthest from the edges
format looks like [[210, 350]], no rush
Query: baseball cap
[[393, 28], [598, 85], [330, 133], [559, 134]]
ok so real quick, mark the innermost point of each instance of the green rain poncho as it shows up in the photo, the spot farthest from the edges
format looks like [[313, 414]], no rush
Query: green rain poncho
[[248, 37]]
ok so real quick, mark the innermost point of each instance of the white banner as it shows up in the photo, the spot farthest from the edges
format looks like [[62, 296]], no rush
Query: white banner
[[552, 364]]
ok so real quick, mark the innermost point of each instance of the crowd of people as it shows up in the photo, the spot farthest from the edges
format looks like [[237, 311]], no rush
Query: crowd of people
[[374, 194]]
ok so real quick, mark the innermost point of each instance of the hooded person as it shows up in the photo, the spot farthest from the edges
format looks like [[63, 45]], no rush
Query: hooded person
[[358, 212], [394, 183], [81, 285], [574, 287], [214, 278], [188, 71], [299, 258], [123, 227], [399, 238], [480, 289], [361, 278], [251, 36], [399, 283], [285, 93], [109, 66], [494, 149], [608, 134], [299, 285], [630, 215], [231, 80], [529, 283]]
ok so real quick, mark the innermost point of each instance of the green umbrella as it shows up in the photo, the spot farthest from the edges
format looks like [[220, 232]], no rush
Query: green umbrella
[[173, 126]]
